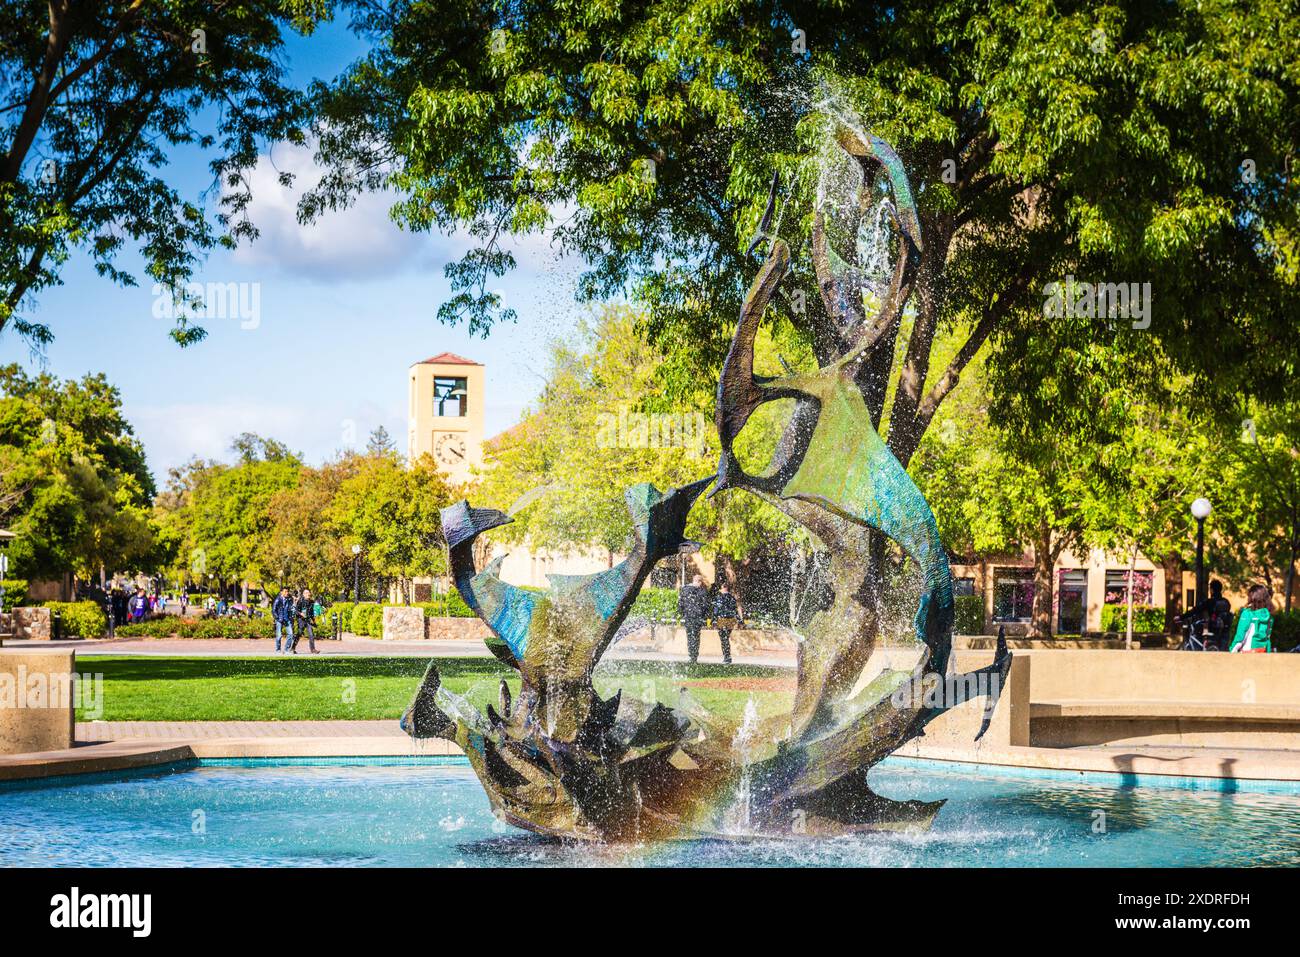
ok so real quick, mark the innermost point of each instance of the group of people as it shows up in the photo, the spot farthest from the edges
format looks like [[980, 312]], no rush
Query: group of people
[[1210, 623], [695, 606], [294, 617]]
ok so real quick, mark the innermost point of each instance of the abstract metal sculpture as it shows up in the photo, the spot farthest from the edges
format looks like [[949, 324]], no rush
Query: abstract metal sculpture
[[561, 760]]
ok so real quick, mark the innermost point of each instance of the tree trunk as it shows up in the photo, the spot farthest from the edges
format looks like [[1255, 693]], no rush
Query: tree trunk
[[1044, 559], [1290, 568], [1173, 569]]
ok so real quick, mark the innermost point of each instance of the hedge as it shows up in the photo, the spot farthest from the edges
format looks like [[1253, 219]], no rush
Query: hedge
[[969, 614], [1146, 618], [367, 620], [1286, 630], [79, 619], [15, 593], [344, 610], [173, 627]]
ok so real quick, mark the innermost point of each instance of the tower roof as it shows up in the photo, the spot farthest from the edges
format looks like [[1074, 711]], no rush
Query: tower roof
[[448, 358]]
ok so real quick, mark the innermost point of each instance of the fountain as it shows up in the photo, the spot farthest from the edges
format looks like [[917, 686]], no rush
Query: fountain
[[560, 760]]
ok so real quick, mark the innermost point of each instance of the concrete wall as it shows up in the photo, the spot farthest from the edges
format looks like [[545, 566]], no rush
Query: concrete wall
[[36, 706], [1172, 698], [1166, 676]]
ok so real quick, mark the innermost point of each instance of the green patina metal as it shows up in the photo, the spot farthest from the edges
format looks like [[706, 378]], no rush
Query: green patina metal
[[561, 760]]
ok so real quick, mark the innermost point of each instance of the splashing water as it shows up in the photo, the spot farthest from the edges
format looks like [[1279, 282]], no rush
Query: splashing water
[[743, 745]]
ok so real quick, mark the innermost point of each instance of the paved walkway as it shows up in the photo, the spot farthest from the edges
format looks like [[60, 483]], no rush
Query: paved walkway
[[349, 646]]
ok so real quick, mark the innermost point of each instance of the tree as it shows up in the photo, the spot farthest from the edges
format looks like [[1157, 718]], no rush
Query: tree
[[380, 442], [231, 519], [94, 93], [600, 426], [75, 478], [392, 512], [304, 547], [1044, 142], [1260, 514]]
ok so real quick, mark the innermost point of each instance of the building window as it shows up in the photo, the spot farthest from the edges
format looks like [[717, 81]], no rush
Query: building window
[[1072, 601], [963, 586], [1117, 587], [450, 397], [1013, 594]]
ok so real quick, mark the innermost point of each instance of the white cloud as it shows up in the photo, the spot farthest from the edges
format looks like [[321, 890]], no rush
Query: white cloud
[[362, 241], [356, 243]]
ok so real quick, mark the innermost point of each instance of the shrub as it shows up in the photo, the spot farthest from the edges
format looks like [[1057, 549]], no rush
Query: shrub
[[658, 603], [15, 593], [199, 628], [79, 619], [344, 610], [1147, 618], [969, 612], [368, 620], [455, 606], [1286, 630]]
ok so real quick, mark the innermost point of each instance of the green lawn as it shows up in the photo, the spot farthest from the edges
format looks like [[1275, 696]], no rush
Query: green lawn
[[319, 688]]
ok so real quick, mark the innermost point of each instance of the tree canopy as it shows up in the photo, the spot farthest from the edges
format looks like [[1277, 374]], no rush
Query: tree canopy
[[1130, 143], [94, 99]]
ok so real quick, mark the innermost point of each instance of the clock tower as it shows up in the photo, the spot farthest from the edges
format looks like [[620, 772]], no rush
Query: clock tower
[[445, 413]]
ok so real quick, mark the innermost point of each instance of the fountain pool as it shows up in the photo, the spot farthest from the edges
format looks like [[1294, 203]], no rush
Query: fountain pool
[[432, 812]]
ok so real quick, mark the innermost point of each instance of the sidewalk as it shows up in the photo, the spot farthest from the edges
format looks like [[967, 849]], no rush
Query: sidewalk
[[350, 646]]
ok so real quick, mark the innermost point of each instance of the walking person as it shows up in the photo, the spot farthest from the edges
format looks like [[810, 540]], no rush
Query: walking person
[[282, 612], [692, 607], [726, 616], [1255, 624], [305, 611], [138, 609]]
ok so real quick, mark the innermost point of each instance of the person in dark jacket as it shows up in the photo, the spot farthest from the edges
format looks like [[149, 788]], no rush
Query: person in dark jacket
[[726, 616], [693, 609], [305, 612], [282, 612], [138, 609], [119, 603], [1214, 615]]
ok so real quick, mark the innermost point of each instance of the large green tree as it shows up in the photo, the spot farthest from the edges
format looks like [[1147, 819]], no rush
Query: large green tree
[[1257, 524], [392, 511], [96, 97], [73, 477], [602, 425], [1122, 143]]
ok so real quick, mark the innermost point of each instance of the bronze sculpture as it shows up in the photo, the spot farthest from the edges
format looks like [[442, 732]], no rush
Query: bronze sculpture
[[561, 760]]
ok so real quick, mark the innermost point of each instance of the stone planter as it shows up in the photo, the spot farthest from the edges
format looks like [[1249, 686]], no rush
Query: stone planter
[[33, 624], [403, 624], [36, 705]]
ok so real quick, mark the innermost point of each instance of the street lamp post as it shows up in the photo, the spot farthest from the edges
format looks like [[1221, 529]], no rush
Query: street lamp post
[[356, 573], [1200, 512]]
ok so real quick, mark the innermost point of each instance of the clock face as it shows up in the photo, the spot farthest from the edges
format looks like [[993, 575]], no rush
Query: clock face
[[449, 448]]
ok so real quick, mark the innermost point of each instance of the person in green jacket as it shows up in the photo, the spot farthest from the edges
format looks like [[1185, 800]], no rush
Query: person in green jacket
[[1255, 624]]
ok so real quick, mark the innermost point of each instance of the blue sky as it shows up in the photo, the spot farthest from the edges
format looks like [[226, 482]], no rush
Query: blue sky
[[345, 307]]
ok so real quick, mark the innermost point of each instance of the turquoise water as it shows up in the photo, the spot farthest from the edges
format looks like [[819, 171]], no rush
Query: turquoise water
[[436, 815]]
